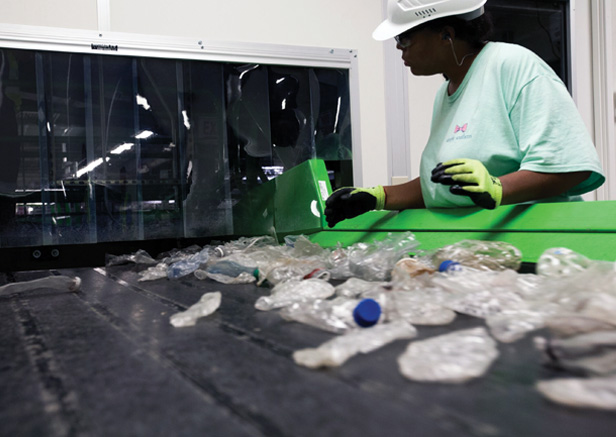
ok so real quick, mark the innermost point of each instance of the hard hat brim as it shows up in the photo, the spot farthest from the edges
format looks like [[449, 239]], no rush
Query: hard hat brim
[[388, 29]]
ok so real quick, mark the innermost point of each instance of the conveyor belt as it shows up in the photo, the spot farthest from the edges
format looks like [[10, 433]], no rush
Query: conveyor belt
[[106, 362]]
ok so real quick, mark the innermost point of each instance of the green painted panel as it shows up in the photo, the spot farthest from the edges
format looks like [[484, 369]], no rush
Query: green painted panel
[[300, 198], [568, 217]]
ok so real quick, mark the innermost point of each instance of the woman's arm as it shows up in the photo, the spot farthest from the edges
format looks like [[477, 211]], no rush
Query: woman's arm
[[404, 196], [520, 186], [525, 186]]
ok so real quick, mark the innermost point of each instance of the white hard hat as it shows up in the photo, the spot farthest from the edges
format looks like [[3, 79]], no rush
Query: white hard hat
[[403, 15]]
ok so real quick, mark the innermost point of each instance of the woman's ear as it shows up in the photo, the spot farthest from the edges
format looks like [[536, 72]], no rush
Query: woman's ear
[[448, 33]]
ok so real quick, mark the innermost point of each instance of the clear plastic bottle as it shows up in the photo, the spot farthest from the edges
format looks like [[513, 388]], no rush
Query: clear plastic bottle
[[332, 315], [355, 287], [139, 257], [294, 291], [375, 261], [287, 268], [479, 254], [231, 268], [244, 245], [476, 292], [417, 307], [188, 265], [560, 261], [342, 347], [336, 315], [208, 303]]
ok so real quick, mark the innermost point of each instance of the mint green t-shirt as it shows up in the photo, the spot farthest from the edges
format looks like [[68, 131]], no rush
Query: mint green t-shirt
[[511, 112]]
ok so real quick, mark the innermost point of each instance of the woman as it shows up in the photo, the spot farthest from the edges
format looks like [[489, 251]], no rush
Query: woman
[[504, 128]]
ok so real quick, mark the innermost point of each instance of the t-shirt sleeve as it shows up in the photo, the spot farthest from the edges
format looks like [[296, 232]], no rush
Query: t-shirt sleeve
[[551, 134]]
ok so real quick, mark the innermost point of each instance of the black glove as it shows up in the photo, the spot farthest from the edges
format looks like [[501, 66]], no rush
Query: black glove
[[350, 202]]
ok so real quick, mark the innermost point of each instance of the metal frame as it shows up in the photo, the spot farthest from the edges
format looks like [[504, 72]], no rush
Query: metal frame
[[132, 44], [603, 93]]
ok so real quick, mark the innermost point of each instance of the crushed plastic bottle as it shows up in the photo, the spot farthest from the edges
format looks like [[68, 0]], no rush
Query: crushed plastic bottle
[[569, 325], [591, 353], [598, 393], [242, 278], [159, 271], [63, 283], [244, 245], [208, 303], [230, 267], [511, 325], [175, 255], [288, 268], [408, 269], [452, 358], [479, 293], [479, 254], [354, 287], [425, 307], [338, 263], [302, 247], [294, 291], [139, 257], [337, 351], [188, 265], [561, 261], [599, 305], [335, 315], [375, 261]]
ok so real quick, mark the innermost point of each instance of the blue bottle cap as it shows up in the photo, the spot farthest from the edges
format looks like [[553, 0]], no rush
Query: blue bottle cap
[[367, 313], [448, 265]]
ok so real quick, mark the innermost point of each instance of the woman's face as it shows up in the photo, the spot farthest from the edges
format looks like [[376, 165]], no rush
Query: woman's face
[[421, 51]]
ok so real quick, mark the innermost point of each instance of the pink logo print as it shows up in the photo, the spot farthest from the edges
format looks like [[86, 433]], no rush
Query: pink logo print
[[458, 128]]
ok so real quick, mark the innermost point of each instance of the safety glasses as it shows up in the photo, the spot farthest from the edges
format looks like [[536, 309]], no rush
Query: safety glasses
[[404, 39]]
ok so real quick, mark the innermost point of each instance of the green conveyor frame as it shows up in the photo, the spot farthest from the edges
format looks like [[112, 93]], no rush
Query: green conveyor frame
[[585, 227]]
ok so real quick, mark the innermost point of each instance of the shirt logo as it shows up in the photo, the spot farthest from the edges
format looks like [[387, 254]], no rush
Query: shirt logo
[[460, 128]]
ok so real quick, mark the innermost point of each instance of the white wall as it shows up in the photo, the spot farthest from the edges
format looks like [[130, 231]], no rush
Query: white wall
[[315, 23], [79, 14]]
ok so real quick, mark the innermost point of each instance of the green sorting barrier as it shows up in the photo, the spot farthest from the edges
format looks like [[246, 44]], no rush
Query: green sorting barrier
[[300, 198], [585, 227], [292, 203]]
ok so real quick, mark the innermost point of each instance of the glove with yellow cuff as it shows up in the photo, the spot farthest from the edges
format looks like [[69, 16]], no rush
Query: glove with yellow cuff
[[469, 177], [350, 202]]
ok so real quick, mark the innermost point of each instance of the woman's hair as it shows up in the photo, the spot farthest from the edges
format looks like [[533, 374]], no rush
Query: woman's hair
[[476, 32]]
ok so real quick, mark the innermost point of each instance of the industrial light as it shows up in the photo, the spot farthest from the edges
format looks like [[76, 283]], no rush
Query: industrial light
[[122, 148], [186, 120], [143, 102], [144, 134], [91, 166]]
